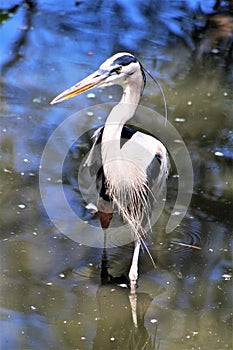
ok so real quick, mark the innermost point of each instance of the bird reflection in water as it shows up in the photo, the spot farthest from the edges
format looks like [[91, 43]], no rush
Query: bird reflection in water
[[121, 323]]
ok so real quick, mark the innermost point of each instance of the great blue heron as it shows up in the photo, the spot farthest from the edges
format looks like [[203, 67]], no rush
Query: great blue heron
[[126, 166]]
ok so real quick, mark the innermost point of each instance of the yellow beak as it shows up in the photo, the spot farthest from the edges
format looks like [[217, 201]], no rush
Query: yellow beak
[[93, 80]]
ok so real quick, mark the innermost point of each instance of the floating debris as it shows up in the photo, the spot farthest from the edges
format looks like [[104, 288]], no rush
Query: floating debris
[[22, 206], [180, 120], [186, 245], [226, 276], [7, 171], [36, 100], [153, 320], [91, 95], [218, 154], [195, 333], [176, 213], [32, 307]]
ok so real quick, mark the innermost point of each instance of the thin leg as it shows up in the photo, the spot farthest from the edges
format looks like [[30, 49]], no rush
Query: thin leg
[[105, 212], [104, 264], [133, 272]]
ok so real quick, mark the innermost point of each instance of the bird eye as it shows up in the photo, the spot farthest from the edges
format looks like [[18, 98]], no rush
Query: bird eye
[[116, 70]]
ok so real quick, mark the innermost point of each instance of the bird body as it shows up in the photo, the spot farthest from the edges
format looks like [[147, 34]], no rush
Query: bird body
[[131, 162]]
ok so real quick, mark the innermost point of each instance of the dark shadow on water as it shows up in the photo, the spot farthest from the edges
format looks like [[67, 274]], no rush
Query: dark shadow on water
[[28, 8]]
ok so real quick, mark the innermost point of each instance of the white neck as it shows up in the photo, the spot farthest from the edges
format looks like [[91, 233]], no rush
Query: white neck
[[119, 115]]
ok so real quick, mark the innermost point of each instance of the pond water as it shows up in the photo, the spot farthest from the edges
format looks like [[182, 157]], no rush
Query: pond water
[[51, 291]]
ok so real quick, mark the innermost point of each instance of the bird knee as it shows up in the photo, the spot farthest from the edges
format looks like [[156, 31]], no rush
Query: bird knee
[[133, 274]]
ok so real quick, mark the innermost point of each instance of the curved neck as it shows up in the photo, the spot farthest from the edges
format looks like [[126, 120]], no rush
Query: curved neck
[[125, 109], [119, 115]]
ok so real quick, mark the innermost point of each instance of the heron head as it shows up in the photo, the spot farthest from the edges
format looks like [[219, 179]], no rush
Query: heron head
[[115, 70]]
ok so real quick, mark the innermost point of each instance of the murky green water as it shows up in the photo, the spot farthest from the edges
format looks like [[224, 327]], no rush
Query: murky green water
[[51, 296]]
